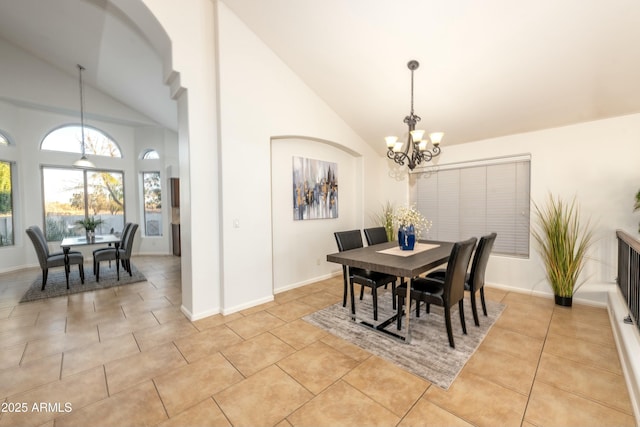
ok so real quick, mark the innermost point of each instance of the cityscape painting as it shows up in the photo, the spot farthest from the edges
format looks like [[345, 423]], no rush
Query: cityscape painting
[[315, 189]]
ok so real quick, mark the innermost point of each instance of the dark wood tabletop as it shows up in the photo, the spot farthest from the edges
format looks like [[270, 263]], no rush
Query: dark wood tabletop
[[410, 266]]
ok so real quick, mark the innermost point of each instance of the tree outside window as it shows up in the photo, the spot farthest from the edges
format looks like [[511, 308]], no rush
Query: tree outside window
[[152, 203], [71, 195], [6, 205]]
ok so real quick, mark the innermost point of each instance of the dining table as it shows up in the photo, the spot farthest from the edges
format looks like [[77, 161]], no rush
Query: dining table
[[389, 258], [110, 239]]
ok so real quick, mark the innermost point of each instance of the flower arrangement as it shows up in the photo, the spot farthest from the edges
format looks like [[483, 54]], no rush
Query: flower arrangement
[[408, 215]]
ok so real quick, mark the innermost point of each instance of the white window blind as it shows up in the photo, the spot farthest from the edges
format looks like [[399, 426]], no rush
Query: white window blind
[[472, 200]]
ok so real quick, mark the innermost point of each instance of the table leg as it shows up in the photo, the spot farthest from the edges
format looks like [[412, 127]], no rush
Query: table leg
[[67, 268], [408, 310], [353, 301], [117, 246]]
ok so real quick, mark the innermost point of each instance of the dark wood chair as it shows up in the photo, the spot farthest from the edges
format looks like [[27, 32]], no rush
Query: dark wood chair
[[49, 260], [375, 235], [474, 281], [347, 240], [444, 293]]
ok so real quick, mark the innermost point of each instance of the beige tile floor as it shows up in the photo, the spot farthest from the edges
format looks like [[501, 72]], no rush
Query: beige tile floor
[[127, 356]]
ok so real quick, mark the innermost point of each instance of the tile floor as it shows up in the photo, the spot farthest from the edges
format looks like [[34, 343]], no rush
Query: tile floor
[[127, 356]]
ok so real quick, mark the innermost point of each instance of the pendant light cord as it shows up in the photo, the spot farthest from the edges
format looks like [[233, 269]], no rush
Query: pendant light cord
[[80, 69]]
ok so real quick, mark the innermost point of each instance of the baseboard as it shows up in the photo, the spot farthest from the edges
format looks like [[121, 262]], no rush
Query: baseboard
[[627, 340], [193, 317], [307, 282], [600, 302]]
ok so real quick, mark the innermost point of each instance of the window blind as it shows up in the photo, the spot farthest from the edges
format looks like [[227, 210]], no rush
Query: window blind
[[471, 200]]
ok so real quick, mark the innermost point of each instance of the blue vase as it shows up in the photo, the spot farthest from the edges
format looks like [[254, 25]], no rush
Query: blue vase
[[407, 238]]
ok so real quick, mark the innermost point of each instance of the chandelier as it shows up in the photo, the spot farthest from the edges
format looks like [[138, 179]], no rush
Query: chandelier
[[82, 162], [415, 150]]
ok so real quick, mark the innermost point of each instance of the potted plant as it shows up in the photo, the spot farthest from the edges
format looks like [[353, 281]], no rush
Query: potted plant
[[385, 219], [563, 242], [636, 206], [90, 224]]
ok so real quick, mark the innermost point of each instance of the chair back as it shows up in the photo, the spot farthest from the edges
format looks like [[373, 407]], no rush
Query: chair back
[[128, 244], [39, 243], [457, 270], [348, 240], [375, 235], [480, 260], [125, 231]]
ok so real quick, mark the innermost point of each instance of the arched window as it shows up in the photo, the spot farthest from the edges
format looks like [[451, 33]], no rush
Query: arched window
[[150, 154], [4, 141], [68, 138]]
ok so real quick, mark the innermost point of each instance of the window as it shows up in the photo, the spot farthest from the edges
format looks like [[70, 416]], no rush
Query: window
[[150, 155], [72, 194], [4, 141], [475, 199], [6, 204], [67, 139], [152, 203]]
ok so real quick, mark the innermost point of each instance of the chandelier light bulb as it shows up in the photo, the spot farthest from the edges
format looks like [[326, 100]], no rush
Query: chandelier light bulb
[[436, 137], [391, 141]]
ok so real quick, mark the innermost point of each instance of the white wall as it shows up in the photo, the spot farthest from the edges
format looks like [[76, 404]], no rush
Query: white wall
[[300, 246], [598, 163], [262, 99]]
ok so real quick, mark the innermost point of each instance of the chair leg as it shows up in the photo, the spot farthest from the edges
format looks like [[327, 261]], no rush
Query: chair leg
[[447, 321], [81, 270], [474, 308], [461, 310], [45, 274], [484, 306], [362, 291], [417, 308], [393, 291], [97, 271], [374, 295]]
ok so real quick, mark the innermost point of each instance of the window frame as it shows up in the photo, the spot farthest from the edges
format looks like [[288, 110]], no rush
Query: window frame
[[470, 199], [91, 129], [144, 203], [85, 191], [12, 173]]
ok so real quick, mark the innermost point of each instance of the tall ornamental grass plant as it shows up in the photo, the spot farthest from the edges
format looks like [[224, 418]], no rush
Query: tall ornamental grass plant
[[563, 242]]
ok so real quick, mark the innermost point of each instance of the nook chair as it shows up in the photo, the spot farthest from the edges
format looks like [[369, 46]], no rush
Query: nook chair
[[474, 280], [125, 230], [49, 260], [444, 293], [351, 240], [124, 253]]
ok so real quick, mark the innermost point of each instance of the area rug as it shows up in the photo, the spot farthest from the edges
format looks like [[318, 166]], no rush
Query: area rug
[[428, 354], [57, 284]]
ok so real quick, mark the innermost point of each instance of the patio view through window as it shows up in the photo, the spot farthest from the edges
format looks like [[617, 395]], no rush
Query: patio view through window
[[6, 205], [73, 194], [152, 203], [67, 139]]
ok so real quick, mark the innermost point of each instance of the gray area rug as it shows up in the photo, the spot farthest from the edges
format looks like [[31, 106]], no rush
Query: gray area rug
[[57, 285], [428, 355]]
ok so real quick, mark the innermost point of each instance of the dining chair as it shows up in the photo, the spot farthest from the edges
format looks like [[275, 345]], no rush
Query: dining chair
[[375, 235], [125, 231], [444, 293], [49, 260], [347, 240], [474, 281], [123, 254]]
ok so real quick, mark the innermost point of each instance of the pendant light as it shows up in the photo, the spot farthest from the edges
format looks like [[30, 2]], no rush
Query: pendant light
[[82, 162]]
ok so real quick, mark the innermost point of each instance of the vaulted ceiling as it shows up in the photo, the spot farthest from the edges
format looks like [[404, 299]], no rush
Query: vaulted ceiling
[[487, 69]]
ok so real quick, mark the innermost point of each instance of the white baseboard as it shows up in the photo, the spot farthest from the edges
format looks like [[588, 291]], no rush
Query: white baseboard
[[306, 282], [628, 343]]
